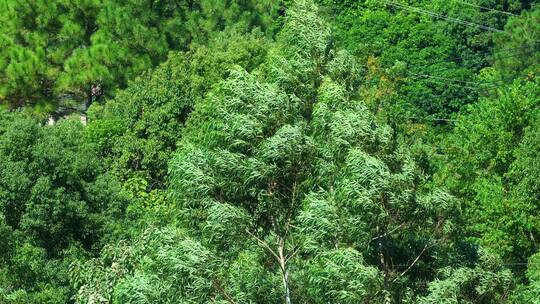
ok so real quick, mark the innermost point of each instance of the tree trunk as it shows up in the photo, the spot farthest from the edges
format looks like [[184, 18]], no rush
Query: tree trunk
[[384, 266], [89, 98], [286, 285], [284, 270]]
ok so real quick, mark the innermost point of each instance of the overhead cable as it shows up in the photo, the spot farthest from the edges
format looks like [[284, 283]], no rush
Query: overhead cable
[[484, 8], [441, 16]]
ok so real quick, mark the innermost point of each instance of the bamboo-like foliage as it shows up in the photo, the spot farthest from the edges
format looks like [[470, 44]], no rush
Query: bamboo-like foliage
[[260, 168], [313, 177]]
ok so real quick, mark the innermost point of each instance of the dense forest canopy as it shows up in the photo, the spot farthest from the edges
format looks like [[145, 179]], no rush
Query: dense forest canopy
[[294, 151]]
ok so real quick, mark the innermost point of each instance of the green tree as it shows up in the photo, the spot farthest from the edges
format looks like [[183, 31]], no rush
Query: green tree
[[522, 38], [160, 266], [417, 64], [484, 152], [56, 202], [260, 149], [37, 37], [72, 51], [137, 131], [529, 293], [488, 282]]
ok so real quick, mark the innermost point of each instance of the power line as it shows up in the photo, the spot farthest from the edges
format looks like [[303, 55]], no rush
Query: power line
[[454, 85], [471, 85], [485, 89], [431, 63], [485, 8], [448, 84], [486, 84], [446, 119], [472, 264], [532, 51], [453, 80], [432, 118], [457, 82], [501, 51], [490, 83], [440, 16]]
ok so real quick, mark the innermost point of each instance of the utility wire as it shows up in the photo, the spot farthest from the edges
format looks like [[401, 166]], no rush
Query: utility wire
[[486, 84], [490, 84], [471, 264], [467, 84], [485, 89], [456, 82], [440, 16], [495, 56], [452, 84], [395, 4], [500, 51], [446, 119], [485, 8], [432, 118], [475, 86]]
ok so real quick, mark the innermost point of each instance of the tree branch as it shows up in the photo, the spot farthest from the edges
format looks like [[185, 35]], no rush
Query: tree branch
[[414, 262], [290, 256], [224, 292], [263, 244], [388, 232], [290, 211]]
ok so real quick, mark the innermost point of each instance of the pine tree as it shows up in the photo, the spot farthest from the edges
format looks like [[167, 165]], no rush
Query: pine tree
[[68, 52]]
